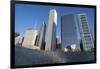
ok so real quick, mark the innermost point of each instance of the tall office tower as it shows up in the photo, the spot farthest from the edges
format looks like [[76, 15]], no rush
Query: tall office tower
[[69, 31], [51, 32], [87, 39], [29, 38], [40, 39]]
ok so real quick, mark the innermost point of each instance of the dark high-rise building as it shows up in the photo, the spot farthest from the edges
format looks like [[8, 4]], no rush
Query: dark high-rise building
[[68, 31], [40, 39]]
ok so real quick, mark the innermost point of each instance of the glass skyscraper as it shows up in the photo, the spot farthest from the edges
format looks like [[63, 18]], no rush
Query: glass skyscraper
[[68, 31], [87, 39]]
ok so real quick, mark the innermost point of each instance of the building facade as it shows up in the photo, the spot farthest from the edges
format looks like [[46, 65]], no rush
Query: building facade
[[40, 39], [69, 31], [58, 43], [86, 36], [51, 31], [19, 41], [29, 38]]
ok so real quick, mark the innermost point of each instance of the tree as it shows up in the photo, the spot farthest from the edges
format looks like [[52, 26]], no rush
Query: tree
[[81, 45]]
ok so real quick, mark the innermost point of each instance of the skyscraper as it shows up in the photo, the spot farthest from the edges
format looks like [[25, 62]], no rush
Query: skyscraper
[[51, 32], [40, 40], [29, 38], [68, 31], [87, 39]]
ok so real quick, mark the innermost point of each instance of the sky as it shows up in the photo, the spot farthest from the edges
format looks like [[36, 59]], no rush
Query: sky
[[28, 16]]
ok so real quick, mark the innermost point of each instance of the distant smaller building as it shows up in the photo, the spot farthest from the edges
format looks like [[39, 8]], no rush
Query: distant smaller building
[[29, 38], [19, 41], [58, 43]]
